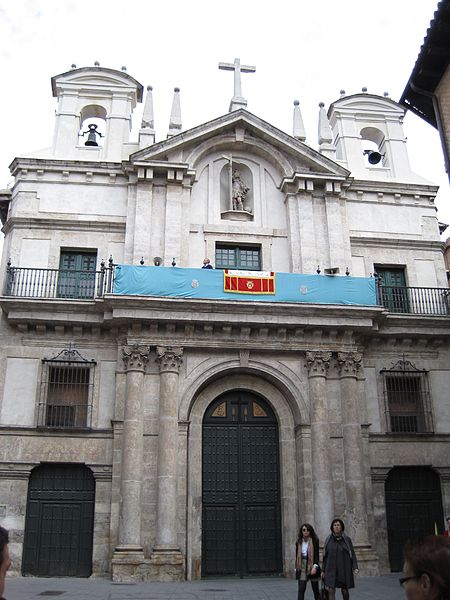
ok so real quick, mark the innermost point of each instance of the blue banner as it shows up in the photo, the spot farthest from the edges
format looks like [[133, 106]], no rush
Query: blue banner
[[174, 282]]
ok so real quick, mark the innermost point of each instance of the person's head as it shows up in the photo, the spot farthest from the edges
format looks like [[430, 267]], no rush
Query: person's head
[[306, 532], [206, 261], [427, 568], [337, 526], [4, 539]]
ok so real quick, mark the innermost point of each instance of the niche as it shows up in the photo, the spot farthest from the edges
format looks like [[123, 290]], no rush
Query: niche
[[236, 192], [373, 147]]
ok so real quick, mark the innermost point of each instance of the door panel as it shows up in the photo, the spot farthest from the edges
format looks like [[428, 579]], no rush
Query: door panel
[[59, 522], [241, 499]]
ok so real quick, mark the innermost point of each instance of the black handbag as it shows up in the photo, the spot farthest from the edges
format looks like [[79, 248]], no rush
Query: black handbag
[[323, 592]]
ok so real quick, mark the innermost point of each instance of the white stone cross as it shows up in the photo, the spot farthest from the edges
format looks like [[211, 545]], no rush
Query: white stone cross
[[237, 101]]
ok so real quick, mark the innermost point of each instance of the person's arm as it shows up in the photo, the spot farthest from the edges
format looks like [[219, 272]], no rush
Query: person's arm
[[353, 555], [6, 563]]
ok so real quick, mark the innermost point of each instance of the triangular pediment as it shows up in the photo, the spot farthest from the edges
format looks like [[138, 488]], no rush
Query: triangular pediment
[[245, 131]]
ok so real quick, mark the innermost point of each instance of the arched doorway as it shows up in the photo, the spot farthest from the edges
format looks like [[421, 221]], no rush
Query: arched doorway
[[413, 508], [59, 521], [241, 487]]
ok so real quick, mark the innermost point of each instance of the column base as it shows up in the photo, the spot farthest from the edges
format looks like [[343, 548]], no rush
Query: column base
[[367, 560], [167, 564], [127, 564]]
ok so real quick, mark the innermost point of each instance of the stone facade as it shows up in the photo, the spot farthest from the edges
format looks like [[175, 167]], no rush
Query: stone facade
[[161, 361]]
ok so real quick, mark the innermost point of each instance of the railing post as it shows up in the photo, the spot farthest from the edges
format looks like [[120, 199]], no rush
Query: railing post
[[111, 266], [101, 283]]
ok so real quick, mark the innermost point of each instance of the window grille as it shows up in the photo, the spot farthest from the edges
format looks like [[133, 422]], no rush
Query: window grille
[[407, 398], [66, 391]]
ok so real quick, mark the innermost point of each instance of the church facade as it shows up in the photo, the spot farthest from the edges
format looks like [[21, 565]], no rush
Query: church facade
[[157, 425]]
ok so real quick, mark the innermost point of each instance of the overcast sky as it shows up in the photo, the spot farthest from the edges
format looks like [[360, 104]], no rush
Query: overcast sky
[[304, 49]]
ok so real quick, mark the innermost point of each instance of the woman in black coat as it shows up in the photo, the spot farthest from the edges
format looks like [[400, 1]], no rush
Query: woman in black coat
[[307, 560], [339, 561]]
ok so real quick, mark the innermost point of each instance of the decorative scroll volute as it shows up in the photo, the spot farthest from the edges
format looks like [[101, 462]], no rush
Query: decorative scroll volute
[[169, 358], [318, 363], [135, 357], [349, 363]]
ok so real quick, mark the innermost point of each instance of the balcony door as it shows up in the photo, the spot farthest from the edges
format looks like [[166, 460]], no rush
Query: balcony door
[[77, 275], [393, 288]]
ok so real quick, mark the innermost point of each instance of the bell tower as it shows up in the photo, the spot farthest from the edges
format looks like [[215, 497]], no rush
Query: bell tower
[[369, 138], [93, 96]]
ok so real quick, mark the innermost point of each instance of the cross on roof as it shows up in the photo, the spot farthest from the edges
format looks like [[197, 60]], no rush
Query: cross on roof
[[237, 101]]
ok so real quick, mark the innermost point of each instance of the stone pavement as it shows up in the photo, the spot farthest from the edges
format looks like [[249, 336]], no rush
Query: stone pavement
[[385, 587]]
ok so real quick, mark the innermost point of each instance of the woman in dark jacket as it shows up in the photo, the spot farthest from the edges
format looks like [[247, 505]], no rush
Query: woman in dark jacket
[[339, 561], [307, 560]]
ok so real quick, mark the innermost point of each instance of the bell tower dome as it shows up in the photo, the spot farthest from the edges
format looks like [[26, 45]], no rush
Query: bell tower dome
[[369, 138], [93, 96]]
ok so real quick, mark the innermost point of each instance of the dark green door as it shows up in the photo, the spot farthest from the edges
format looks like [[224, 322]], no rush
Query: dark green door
[[241, 497], [413, 508], [77, 275], [59, 522], [393, 289]]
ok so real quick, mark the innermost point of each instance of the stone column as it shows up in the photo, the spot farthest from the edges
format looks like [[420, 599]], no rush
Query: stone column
[[129, 552], [318, 363], [349, 364], [166, 558]]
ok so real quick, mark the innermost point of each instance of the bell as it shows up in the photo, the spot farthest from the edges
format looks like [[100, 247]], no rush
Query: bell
[[92, 133], [373, 156]]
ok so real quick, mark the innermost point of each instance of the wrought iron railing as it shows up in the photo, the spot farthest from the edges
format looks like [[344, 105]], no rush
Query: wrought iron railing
[[415, 300], [59, 283], [87, 285]]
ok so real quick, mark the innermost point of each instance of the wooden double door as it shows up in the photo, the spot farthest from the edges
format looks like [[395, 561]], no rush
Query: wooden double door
[[241, 488], [59, 522]]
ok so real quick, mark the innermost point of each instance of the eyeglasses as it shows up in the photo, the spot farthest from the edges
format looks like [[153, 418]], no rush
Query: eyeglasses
[[305, 529], [403, 580]]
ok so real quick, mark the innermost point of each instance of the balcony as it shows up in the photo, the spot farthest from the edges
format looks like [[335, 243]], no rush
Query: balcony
[[198, 283]]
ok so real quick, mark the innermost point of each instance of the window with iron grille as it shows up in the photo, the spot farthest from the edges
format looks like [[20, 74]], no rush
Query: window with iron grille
[[66, 393], [238, 257], [407, 398]]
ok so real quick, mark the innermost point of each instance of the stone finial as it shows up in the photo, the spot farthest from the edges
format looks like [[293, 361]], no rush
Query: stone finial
[[175, 115], [342, 93], [298, 127], [124, 69], [147, 116], [386, 94], [364, 90], [326, 146], [96, 64], [73, 66]]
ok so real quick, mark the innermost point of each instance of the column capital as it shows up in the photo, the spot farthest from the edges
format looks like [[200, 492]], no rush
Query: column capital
[[349, 363], [169, 358], [135, 357], [318, 362]]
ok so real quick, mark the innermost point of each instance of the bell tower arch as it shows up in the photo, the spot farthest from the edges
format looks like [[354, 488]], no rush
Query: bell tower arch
[[364, 124], [88, 92]]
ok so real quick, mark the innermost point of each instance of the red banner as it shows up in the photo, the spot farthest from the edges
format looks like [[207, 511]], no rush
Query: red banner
[[249, 282]]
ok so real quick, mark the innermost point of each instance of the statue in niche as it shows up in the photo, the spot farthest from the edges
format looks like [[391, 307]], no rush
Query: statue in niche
[[239, 191]]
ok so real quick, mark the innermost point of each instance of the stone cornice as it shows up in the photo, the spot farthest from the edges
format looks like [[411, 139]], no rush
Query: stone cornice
[[67, 223], [395, 242], [405, 189], [33, 163]]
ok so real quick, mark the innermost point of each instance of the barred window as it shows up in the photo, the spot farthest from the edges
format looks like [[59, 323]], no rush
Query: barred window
[[67, 385], [407, 398]]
